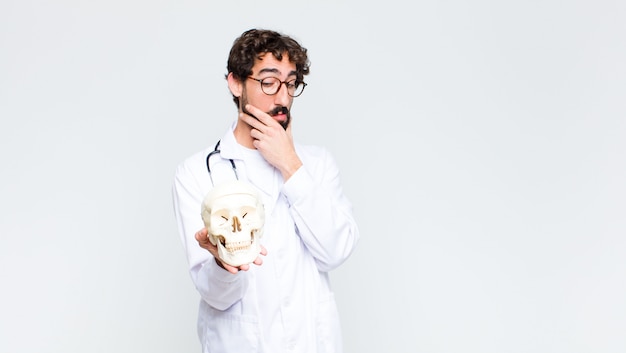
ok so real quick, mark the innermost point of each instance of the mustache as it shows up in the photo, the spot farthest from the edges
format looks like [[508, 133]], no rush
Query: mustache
[[279, 110]]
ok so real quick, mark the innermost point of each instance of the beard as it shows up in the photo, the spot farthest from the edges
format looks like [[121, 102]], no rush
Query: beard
[[277, 110]]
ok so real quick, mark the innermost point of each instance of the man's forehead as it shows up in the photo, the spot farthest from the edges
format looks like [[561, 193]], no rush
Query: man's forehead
[[267, 62]]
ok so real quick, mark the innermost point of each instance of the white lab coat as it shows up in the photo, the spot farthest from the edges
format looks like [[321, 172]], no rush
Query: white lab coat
[[286, 304]]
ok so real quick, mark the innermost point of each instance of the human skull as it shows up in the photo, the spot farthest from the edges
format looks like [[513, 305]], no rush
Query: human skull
[[234, 216]]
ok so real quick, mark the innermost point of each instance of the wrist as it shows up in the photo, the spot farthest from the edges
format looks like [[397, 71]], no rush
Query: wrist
[[290, 168]]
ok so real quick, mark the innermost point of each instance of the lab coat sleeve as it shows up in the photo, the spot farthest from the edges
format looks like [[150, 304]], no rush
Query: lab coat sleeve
[[322, 213], [218, 287]]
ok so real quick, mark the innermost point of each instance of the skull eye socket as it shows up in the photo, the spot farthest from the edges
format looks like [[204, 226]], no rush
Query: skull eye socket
[[220, 219], [248, 214], [223, 218]]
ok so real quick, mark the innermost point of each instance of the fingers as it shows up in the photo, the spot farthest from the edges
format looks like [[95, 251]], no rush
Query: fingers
[[259, 260], [202, 236], [233, 269], [244, 267], [261, 121], [261, 117]]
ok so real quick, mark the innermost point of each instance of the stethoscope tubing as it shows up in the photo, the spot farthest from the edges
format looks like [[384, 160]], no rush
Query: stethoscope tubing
[[216, 150]]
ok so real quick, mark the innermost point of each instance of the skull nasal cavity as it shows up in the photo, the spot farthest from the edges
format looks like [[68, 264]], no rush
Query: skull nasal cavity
[[236, 225]]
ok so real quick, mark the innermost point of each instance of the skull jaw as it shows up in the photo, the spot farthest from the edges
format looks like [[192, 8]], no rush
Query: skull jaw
[[239, 257]]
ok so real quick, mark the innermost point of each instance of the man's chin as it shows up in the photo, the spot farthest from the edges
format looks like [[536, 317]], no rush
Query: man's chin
[[285, 124]]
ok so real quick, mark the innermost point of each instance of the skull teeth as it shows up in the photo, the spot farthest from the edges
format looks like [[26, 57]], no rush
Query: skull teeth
[[237, 246]]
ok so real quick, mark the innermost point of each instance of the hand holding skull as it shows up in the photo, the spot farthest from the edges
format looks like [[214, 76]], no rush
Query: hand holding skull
[[234, 217], [202, 236]]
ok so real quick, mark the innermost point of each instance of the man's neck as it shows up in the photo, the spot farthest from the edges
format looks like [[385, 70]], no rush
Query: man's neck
[[242, 135]]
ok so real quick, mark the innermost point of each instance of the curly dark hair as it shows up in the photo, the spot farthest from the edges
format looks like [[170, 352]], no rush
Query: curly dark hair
[[255, 42]]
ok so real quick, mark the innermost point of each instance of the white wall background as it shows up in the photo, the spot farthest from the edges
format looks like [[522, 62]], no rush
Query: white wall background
[[482, 143]]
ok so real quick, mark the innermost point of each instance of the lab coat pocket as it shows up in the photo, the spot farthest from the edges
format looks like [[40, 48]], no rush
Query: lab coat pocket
[[230, 332], [328, 326]]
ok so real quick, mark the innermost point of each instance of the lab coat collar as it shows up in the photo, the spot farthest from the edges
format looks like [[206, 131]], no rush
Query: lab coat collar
[[266, 181], [229, 148]]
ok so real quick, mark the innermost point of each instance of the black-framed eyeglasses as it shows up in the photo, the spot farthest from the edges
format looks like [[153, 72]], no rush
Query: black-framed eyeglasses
[[271, 86]]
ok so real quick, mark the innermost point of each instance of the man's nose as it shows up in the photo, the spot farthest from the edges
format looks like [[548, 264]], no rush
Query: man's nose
[[282, 97]]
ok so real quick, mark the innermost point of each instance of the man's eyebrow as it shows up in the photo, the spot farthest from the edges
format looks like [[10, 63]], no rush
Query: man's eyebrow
[[270, 70], [276, 71]]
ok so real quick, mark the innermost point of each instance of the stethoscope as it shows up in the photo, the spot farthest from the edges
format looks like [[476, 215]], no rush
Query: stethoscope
[[217, 151]]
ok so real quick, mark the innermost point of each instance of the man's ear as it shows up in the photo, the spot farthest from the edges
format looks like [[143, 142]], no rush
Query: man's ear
[[234, 85]]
